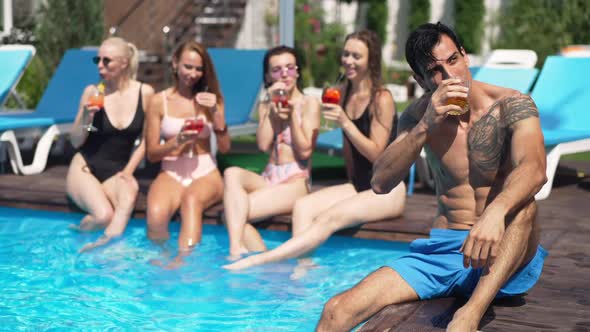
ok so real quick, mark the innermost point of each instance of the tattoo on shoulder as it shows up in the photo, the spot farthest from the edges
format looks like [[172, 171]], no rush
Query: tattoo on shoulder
[[518, 108]]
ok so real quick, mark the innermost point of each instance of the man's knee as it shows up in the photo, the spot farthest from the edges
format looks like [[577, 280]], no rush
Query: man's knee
[[334, 314], [525, 217]]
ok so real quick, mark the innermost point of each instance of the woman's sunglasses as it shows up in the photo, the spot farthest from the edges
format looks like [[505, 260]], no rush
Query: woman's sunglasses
[[277, 72], [105, 60]]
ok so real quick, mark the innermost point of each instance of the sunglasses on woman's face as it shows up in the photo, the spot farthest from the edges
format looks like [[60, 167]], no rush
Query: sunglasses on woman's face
[[277, 72], [105, 60]]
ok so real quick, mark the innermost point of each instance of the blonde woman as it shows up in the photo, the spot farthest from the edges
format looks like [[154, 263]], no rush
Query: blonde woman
[[100, 178]]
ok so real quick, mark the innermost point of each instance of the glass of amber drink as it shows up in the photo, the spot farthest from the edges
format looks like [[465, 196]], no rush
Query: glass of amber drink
[[460, 101]]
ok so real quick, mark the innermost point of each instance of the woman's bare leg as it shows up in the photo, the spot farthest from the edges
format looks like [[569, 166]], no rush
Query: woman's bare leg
[[163, 200], [268, 202], [88, 193], [310, 206], [121, 191], [200, 195], [238, 183], [361, 208]]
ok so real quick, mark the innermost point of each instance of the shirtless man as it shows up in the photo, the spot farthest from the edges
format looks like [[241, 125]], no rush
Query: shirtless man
[[488, 163]]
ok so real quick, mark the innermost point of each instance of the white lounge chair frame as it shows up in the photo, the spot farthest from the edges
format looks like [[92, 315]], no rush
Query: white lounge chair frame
[[502, 58]]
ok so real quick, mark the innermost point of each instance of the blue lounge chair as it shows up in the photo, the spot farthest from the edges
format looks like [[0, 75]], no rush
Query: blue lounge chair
[[14, 59], [331, 141], [240, 76], [520, 79], [562, 94], [55, 112]]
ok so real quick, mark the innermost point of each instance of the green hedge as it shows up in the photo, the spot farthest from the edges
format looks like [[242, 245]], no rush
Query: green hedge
[[377, 18], [419, 13], [469, 23], [62, 24], [544, 26]]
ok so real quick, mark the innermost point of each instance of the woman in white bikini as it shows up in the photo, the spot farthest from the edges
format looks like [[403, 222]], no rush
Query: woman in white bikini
[[287, 129], [189, 179]]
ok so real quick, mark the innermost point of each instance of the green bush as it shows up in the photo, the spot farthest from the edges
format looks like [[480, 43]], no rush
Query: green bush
[[62, 24], [318, 43], [377, 18], [469, 23], [545, 26], [419, 13]]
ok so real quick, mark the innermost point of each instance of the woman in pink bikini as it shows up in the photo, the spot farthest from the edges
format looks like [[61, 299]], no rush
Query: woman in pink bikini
[[189, 179], [287, 128]]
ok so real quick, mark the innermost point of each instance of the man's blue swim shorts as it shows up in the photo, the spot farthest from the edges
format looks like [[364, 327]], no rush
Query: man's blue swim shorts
[[434, 268]]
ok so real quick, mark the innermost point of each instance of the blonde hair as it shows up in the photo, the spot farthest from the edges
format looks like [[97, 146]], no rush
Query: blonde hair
[[129, 52]]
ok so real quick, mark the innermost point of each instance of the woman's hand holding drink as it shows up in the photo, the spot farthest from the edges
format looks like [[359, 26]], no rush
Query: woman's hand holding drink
[[279, 97], [192, 127], [331, 95], [94, 104]]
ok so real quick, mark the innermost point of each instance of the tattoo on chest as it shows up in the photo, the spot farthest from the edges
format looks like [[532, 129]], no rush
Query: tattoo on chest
[[487, 142], [490, 137]]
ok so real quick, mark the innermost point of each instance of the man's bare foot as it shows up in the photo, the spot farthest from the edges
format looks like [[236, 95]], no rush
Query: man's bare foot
[[463, 321]]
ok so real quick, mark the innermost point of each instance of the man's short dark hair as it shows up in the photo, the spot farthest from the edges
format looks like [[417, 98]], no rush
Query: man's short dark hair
[[421, 42]]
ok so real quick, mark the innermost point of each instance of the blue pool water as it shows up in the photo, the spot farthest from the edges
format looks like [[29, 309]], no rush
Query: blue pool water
[[45, 284]]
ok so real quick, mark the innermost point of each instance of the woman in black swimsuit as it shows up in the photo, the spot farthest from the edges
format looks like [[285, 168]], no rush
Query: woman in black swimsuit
[[100, 178], [367, 117]]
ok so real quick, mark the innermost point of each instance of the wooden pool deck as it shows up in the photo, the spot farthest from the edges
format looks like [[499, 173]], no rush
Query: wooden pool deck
[[559, 302]]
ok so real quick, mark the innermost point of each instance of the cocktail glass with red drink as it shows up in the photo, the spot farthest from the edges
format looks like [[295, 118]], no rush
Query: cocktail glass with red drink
[[331, 95], [194, 125]]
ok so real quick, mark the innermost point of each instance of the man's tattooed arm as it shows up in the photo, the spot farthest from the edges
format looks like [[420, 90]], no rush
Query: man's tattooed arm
[[523, 139]]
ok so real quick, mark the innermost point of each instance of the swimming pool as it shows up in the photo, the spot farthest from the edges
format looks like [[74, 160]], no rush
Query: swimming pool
[[46, 285]]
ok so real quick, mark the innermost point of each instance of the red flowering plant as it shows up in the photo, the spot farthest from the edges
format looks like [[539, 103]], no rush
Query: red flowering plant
[[318, 43]]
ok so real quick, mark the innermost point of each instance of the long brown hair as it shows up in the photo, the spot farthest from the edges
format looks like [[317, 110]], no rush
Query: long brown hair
[[209, 80], [371, 40], [373, 43]]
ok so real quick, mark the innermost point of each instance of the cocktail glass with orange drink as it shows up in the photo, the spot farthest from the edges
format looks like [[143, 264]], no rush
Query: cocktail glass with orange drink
[[95, 100]]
